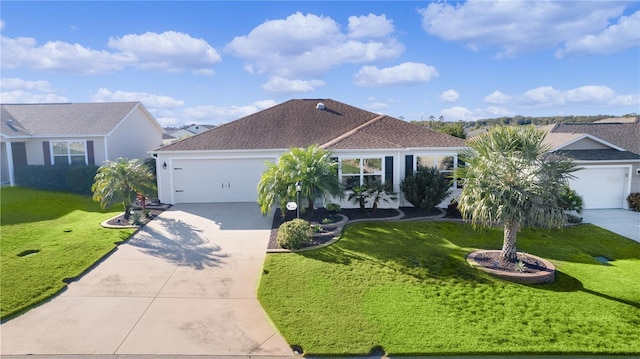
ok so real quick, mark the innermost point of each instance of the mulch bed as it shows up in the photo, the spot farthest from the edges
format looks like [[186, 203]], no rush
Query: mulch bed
[[320, 214], [492, 260], [120, 221]]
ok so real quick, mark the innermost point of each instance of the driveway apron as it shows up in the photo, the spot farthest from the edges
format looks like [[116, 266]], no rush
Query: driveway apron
[[185, 284]]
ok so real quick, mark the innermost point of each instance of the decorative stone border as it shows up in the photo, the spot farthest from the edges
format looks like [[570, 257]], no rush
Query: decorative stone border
[[106, 224], [545, 276]]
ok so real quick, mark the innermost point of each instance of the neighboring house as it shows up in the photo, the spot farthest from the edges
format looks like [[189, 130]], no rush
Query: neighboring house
[[74, 133], [608, 153], [190, 131], [168, 138], [225, 164]]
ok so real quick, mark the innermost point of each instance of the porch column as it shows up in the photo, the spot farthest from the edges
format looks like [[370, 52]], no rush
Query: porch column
[[9, 153]]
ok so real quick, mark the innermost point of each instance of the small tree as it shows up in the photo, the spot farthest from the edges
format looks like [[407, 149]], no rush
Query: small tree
[[426, 188], [359, 195], [311, 166], [512, 180], [120, 181], [379, 191]]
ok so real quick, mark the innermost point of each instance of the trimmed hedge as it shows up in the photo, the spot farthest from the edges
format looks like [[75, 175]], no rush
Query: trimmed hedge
[[294, 234], [73, 179]]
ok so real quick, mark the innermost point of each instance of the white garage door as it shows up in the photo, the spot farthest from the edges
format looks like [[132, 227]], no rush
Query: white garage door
[[216, 180], [601, 187]]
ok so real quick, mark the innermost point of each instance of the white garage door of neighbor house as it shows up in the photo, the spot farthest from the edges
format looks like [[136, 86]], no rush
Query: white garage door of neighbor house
[[602, 187], [219, 180]]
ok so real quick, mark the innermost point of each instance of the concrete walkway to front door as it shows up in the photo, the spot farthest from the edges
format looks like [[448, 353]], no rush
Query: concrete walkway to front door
[[185, 284]]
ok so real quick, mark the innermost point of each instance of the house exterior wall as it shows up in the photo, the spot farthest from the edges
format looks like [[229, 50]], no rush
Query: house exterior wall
[[4, 167], [35, 152], [166, 180], [136, 134], [586, 144]]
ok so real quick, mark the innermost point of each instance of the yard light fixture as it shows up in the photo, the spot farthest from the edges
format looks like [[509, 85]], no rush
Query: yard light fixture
[[164, 166], [298, 189]]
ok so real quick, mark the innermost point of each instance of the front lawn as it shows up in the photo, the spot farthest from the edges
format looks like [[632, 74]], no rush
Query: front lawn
[[45, 238], [406, 287]]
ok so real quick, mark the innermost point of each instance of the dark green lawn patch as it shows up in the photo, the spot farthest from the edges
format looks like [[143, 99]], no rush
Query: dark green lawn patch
[[406, 287], [47, 237]]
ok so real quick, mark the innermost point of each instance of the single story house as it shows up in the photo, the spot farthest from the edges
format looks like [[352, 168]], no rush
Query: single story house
[[608, 154], [225, 163], [74, 133]]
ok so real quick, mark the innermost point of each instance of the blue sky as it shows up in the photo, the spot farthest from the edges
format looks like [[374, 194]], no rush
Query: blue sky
[[211, 62]]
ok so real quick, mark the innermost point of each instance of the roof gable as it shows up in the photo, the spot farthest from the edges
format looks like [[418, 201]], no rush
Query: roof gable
[[577, 141], [624, 135], [301, 123], [69, 119]]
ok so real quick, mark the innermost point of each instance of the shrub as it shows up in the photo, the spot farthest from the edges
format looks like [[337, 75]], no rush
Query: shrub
[[294, 234], [426, 188], [452, 209], [333, 207], [634, 201], [73, 179], [570, 200]]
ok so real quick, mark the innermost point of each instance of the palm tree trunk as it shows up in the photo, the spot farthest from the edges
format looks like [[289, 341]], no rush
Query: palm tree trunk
[[509, 251], [127, 211]]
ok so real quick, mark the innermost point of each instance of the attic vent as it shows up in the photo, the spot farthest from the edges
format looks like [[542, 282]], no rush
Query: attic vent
[[320, 106], [11, 125]]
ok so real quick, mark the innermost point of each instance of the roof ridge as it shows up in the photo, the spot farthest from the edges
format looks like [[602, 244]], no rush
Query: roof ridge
[[351, 132]]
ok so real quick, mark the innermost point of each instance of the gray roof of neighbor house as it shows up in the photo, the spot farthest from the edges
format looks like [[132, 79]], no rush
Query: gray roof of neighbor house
[[66, 119], [599, 155], [301, 123], [624, 134]]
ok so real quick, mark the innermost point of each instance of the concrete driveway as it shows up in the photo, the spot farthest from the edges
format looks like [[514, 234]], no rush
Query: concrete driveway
[[183, 285], [622, 221]]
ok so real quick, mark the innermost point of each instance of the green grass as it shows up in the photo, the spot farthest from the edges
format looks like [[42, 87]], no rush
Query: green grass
[[406, 286], [65, 231]]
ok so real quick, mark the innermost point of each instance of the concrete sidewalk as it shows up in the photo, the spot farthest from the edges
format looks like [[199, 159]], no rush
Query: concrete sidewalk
[[183, 285]]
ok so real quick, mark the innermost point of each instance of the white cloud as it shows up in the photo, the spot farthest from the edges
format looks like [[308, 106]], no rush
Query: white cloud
[[170, 50], [149, 100], [617, 37], [450, 95], [458, 113], [303, 45], [59, 56], [588, 95], [407, 73], [497, 97], [541, 95], [282, 85], [517, 26], [20, 84], [214, 115], [21, 96], [370, 26]]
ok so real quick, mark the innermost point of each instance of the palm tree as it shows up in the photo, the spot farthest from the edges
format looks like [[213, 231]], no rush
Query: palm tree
[[511, 179], [120, 181], [311, 166]]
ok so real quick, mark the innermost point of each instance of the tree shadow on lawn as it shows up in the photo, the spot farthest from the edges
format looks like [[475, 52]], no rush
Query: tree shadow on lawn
[[423, 256], [183, 244], [566, 283]]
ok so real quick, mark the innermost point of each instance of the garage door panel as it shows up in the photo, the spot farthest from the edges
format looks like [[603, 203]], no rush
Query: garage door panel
[[601, 187], [216, 180]]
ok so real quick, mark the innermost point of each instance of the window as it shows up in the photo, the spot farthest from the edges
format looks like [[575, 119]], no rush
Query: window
[[444, 164], [69, 152], [359, 171]]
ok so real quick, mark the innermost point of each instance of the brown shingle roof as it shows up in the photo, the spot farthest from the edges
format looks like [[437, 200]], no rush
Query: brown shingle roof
[[298, 123], [625, 135], [69, 119]]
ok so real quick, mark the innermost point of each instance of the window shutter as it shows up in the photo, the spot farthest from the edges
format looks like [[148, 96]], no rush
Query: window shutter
[[47, 153], [388, 170], [90, 154], [408, 165]]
